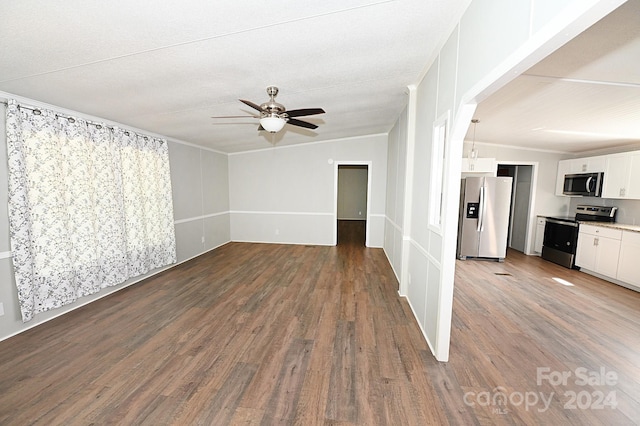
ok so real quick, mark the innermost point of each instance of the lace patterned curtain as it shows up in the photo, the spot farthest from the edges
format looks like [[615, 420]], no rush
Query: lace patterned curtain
[[89, 206]]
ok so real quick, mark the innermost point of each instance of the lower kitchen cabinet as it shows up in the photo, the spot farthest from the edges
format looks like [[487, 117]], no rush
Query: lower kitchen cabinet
[[598, 249], [629, 262]]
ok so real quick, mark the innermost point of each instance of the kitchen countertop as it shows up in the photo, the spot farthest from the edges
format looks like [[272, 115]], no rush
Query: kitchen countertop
[[622, 226]]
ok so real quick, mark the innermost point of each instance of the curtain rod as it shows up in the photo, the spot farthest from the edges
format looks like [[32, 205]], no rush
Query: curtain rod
[[72, 119], [37, 111]]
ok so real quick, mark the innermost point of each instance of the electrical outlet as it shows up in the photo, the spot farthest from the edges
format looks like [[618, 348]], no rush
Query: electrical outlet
[[360, 213], [1, 309]]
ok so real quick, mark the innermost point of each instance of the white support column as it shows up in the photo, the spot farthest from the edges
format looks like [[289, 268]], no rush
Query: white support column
[[408, 189], [450, 229]]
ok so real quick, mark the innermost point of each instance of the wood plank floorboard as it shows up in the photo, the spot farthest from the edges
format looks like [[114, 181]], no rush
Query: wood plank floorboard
[[266, 334]]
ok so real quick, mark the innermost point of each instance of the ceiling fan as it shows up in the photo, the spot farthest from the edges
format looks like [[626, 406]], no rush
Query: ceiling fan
[[273, 115]]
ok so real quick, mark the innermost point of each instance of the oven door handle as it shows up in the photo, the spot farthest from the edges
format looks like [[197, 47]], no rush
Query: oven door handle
[[561, 222]]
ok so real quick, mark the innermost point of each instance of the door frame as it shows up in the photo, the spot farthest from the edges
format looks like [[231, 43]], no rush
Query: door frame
[[531, 217], [336, 165]]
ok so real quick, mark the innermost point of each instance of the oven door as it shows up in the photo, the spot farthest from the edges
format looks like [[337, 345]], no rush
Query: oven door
[[561, 235], [559, 244]]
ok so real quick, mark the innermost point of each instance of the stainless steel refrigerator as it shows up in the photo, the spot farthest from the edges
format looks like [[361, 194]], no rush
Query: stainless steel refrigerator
[[483, 227]]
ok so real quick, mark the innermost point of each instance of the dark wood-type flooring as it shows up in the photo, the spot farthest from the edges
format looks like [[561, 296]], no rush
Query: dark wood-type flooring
[[308, 335]]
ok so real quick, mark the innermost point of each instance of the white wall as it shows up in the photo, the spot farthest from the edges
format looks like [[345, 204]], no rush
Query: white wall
[[494, 41], [288, 194], [200, 185], [394, 230], [352, 192], [199, 180]]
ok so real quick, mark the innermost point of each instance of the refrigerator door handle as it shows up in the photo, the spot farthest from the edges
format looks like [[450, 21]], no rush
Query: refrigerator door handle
[[484, 206], [481, 210]]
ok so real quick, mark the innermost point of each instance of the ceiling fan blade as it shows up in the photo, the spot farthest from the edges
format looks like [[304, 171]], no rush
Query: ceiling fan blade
[[235, 116], [304, 111], [251, 104], [301, 123]]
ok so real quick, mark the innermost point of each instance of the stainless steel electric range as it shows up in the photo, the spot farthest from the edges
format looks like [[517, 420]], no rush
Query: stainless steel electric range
[[561, 232]]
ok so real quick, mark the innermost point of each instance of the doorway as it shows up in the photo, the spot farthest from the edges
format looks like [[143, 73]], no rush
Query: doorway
[[352, 204], [521, 204]]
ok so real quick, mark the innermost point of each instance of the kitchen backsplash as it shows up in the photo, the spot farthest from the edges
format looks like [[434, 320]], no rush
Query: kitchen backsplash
[[628, 210]]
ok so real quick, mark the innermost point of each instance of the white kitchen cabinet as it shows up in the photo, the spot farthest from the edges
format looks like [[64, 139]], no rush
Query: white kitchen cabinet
[[479, 165], [540, 224], [564, 167], [586, 251], [621, 173], [588, 164], [633, 191], [629, 262], [622, 176], [578, 165], [616, 176], [598, 249], [607, 257]]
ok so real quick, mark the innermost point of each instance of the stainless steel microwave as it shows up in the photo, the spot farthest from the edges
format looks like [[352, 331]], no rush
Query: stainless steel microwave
[[585, 184]]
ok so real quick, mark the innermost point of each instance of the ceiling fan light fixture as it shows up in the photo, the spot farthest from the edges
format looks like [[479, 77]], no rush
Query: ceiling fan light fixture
[[272, 123], [273, 116]]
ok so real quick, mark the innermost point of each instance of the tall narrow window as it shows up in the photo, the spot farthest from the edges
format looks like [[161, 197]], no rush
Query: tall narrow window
[[438, 156], [89, 206]]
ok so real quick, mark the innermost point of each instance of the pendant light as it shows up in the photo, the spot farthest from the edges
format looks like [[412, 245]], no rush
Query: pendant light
[[473, 154]]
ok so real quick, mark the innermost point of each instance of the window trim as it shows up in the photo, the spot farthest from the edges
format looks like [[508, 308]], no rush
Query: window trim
[[437, 181]]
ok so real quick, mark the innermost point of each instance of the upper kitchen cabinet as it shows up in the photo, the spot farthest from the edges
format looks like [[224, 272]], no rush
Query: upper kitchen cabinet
[[479, 166], [589, 164], [579, 165], [622, 176], [621, 173], [564, 168]]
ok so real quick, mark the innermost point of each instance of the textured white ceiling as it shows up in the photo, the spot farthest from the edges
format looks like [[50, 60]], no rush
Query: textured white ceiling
[[583, 97], [167, 67]]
